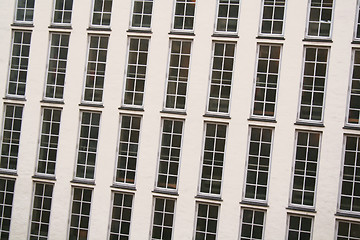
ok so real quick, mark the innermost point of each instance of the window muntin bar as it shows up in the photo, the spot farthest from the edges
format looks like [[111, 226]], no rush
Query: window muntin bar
[[353, 114], [252, 224], [141, 14], [121, 216], [163, 218], [320, 18], [347, 230], [62, 12], [7, 192], [24, 11], [207, 216], [227, 16], [101, 15], [299, 227], [184, 15], [273, 17]]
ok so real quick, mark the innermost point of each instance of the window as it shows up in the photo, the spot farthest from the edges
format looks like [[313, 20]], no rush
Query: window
[[178, 74], [41, 207], [88, 140], [266, 80], [350, 195], [348, 231], [258, 165], [170, 153], [24, 11], [252, 224], [19, 63], [7, 192], [141, 14], [49, 138], [128, 149], [319, 18], [357, 24], [221, 78], [273, 15], [80, 214], [55, 81], [353, 117], [184, 15], [313, 84], [95, 70], [206, 221], [101, 15], [213, 158], [227, 16], [163, 218], [299, 227], [136, 71], [121, 216], [307, 151], [62, 11], [11, 136]]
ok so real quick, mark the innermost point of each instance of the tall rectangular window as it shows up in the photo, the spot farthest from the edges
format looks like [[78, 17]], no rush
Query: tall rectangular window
[[357, 23], [353, 115], [88, 141], [80, 214], [121, 216], [350, 181], [7, 192], [163, 218], [101, 15], [41, 209], [58, 52], [178, 74], [141, 14], [299, 227], [184, 15], [348, 230], [128, 149], [19, 62], [266, 80], [10, 141], [49, 138], [95, 69], [307, 151], [252, 224], [258, 164], [227, 16], [213, 158], [24, 11], [313, 84], [62, 12], [320, 14], [134, 87], [170, 153], [221, 77], [273, 16], [207, 216]]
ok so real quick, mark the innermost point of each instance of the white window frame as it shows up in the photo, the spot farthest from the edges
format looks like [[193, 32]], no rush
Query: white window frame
[[118, 151], [267, 74], [254, 210], [178, 79], [80, 213], [102, 13], [212, 166], [305, 175], [355, 51], [184, 16], [300, 223], [351, 224], [132, 14], [206, 218], [3, 205], [212, 82], [86, 165], [63, 11], [132, 105], [95, 75], [255, 199], [18, 69], [121, 207], [49, 135], [24, 21], [299, 119], [227, 32], [164, 213], [41, 209], [272, 19], [357, 22], [57, 70], [319, 22], [170, 160]]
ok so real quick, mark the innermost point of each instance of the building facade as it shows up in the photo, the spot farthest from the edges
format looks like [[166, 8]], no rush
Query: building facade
[[181, 119]]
